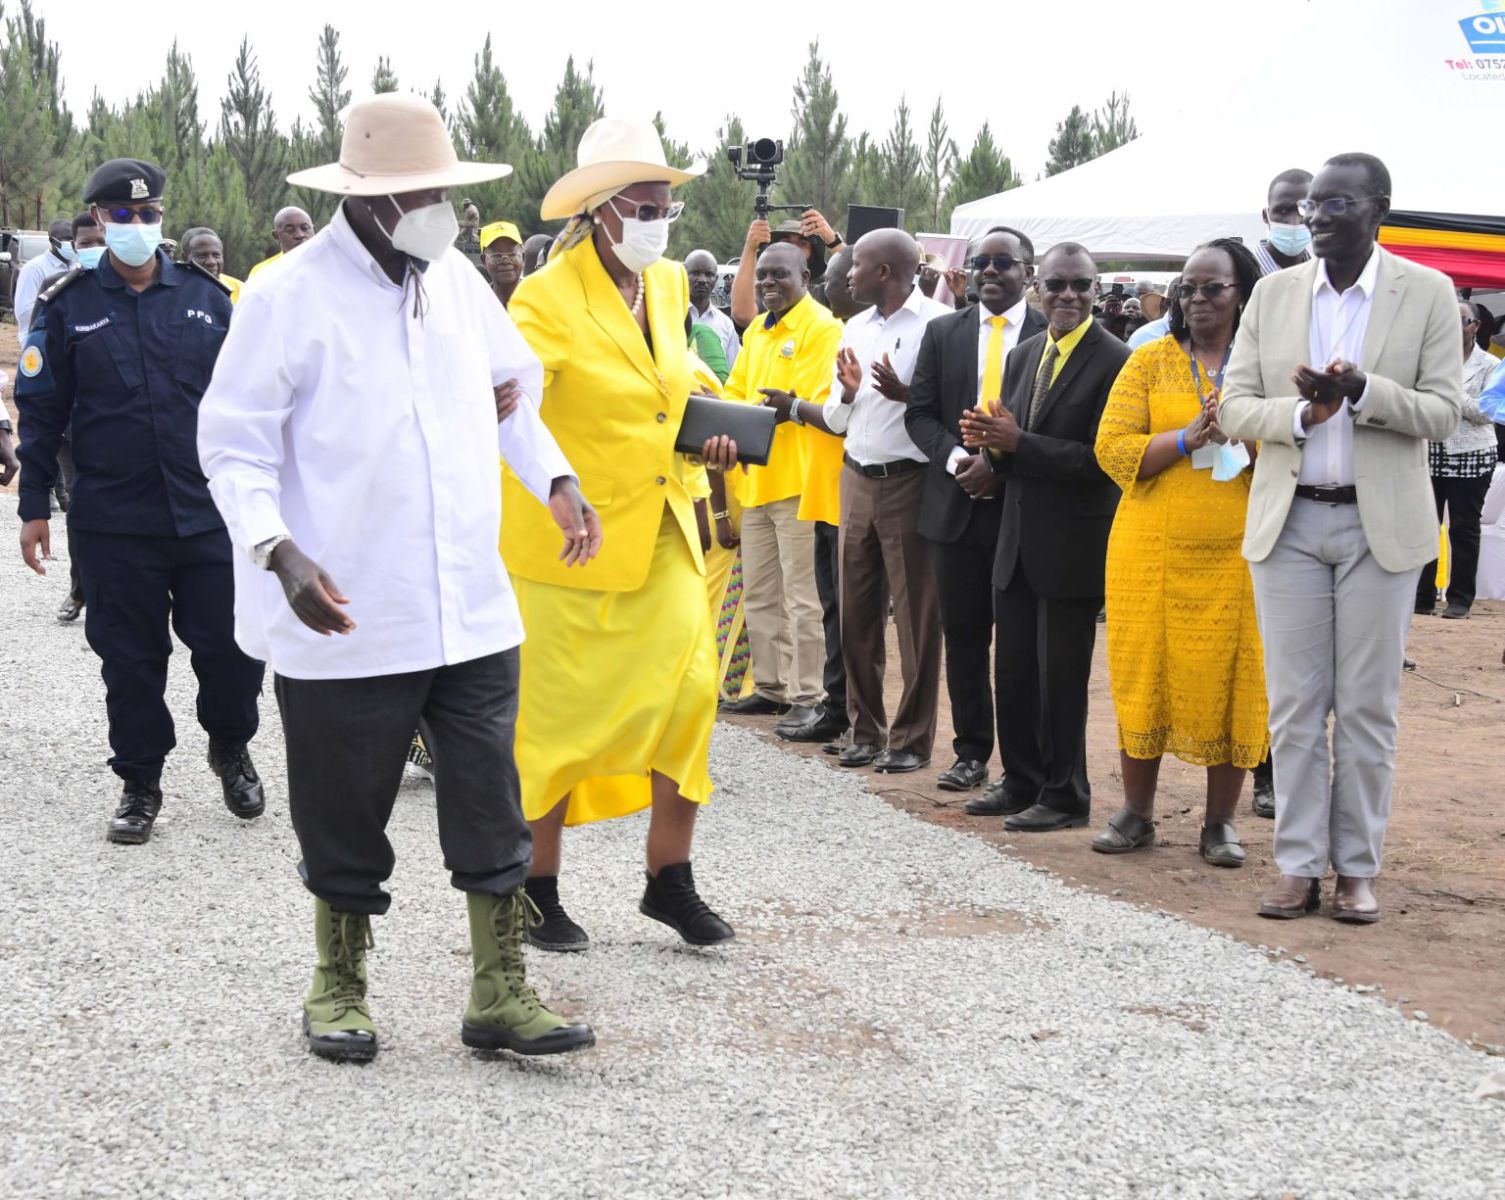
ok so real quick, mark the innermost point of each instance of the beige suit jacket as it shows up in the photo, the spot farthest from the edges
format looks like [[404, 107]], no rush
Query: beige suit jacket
[[1415, 394]]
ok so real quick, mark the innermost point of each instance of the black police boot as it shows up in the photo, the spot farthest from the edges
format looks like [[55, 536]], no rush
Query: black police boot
[[238, 780], [140, 802], [671, 897]]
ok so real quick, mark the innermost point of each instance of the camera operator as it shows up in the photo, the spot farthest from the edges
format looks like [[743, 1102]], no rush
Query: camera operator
[[812, 233]]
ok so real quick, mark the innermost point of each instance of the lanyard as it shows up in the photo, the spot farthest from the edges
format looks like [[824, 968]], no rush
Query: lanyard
[[1196, 373]]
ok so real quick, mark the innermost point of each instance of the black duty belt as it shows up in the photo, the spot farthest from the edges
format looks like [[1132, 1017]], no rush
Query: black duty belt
[[900, 466], [1328, 495]]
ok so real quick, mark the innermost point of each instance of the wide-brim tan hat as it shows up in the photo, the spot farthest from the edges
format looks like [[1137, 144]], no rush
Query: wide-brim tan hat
[[613, 154], [395, 143], [1153, 305]]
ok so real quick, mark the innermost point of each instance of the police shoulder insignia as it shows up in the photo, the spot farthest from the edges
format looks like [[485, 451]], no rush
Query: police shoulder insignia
[[54, 288], [31, 363], [214, 279]]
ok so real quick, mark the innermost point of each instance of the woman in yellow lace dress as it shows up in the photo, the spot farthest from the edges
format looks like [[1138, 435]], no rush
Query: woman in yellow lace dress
[[1184, 655]]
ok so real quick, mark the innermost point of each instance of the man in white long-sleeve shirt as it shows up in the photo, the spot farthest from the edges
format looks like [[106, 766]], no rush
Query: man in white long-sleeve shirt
[[60, 257], [350, 439]]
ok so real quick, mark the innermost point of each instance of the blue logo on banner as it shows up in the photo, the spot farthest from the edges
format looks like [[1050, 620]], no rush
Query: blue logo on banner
[[1485, 32]]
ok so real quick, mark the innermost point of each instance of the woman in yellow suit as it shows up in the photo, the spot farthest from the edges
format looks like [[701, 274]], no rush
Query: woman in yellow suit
[[618, 685]]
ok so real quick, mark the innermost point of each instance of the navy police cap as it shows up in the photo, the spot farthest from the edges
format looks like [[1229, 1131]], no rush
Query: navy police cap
[[124, 180]]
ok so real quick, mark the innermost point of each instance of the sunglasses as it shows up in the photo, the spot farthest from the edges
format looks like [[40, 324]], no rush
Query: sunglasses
[[124, 216], [652, 212], [999, 262], [1334, 206], [1212, 291], [1082, 285]]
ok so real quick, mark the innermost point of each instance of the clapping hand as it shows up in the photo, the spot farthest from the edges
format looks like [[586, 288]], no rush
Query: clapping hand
[[993, 430], [848, 374], [1326, 390], [887, 382]]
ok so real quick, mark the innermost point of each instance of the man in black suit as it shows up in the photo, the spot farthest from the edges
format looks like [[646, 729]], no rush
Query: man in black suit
[[959, 368], [1052, 541]]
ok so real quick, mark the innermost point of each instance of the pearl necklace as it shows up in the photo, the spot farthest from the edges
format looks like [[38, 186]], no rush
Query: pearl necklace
[[637, 300]]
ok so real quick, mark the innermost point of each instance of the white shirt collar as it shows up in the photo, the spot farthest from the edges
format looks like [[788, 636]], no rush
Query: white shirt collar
[[1365, 282], [1014, 316], [343, 235]]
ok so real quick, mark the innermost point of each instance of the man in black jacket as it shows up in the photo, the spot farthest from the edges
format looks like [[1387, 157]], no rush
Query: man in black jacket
[[1052, 542], [959, 368]]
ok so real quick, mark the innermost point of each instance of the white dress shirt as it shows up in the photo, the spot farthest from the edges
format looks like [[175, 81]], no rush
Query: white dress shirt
[[29, 285], [369, 435], [723, 326], [1015, 318], [872, 423], [1338, 325]]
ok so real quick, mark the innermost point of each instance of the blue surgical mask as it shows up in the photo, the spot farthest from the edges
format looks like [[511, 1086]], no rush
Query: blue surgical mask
[[133, 244], [89, 256], [66, 252], [1290, 240]]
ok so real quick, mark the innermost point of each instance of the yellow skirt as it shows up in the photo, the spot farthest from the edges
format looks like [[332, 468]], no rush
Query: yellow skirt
[[614, 686]]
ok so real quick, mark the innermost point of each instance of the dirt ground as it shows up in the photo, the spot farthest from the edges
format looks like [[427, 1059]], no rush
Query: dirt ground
[[1441, 946]]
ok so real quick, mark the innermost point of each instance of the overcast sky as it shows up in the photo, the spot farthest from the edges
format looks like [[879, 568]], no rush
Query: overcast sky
[[1020, 67]]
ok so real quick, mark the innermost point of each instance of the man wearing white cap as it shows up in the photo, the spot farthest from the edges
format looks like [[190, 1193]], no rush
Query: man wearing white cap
[[348, 440]]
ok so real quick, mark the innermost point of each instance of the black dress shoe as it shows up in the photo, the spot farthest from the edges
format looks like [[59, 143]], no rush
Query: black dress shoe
[[899, 762], [997, 801], [858, 754], [671, 897], [70, 609], [238, 780], [964, 775], [754, 706], [797, 715], [1455, 612], [823, 727], [838, 744], [1264, 790], [557, 932], [140, 802], [1041, 818]]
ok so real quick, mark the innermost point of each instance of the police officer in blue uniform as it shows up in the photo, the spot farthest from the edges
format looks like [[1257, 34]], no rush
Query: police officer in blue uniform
[[123, 353]]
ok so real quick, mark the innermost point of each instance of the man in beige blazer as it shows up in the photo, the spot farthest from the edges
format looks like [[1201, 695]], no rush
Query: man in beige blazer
[[1344, 367]]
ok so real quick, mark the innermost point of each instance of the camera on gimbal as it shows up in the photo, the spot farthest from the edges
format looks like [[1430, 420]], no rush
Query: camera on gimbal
[[758, 162]]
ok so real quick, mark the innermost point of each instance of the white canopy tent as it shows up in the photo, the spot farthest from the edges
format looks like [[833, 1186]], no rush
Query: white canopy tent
[[1400, 79]]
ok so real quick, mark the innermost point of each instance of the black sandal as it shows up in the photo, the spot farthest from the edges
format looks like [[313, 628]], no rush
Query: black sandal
[[1126, 833]]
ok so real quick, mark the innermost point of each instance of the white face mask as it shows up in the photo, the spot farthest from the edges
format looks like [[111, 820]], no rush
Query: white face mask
[[425, 233], [643, 242]]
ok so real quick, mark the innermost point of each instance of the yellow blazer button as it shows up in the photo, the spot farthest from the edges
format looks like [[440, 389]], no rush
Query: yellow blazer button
[[661, 481], [661, 418]]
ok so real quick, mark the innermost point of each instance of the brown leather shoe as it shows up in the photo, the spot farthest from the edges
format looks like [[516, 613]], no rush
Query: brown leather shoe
[[1354, 902], [1292, 896]]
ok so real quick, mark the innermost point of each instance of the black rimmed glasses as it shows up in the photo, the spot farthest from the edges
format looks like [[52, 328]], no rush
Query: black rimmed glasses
[[1082, 284], [1185, 291], [124, 216], [999, 262], [1333, 206]]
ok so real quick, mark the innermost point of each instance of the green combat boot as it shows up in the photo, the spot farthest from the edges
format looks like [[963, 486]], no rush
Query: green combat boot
[[336, 1020], [504, 1013]]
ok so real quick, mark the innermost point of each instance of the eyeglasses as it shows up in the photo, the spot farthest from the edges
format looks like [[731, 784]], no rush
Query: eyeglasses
[[1333, 206], [1212, 291], [1082, 284], [124, 216], [1470, 321], [652, 212], [999, 262], [489, 253]]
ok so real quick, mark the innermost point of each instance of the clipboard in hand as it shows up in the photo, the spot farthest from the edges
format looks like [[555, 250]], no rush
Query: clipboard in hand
[[749, 425]]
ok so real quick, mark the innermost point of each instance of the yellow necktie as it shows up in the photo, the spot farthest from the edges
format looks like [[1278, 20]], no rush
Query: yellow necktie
[[992, 367]]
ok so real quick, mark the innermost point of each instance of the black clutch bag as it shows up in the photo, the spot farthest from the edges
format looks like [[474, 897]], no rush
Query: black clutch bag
[[749, 425]]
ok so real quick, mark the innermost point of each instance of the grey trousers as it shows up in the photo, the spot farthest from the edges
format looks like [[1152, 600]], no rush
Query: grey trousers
[[1334, 627]]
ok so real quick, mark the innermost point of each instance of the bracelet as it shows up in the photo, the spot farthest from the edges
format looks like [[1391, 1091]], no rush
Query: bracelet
[[1181, 442], [721, 516]]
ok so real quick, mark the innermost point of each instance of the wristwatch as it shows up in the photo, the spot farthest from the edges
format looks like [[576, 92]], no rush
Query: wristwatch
[[794, 411], [833, 244], [5, 425], [721, 516], [263, 552]]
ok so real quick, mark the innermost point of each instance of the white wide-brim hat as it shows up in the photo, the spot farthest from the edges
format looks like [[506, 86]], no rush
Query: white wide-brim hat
[[613, 154], [395, 143]]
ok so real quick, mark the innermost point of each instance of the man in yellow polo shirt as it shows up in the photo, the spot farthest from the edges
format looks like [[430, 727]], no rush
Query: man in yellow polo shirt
[[787, 352], [291, 227], [502, 258]]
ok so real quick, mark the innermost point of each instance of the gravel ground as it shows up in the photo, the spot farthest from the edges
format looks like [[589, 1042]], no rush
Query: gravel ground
[[905, 1012]]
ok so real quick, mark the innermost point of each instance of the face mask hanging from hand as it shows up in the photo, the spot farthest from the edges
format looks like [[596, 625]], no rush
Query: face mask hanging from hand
[[1290, 240], [643, 242], [133, 244], [425, 233]]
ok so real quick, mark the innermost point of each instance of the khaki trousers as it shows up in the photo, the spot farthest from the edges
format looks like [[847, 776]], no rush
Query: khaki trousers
[[782, 604]]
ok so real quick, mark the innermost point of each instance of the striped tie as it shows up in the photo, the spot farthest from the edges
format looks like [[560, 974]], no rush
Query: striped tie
[[1043, 380]]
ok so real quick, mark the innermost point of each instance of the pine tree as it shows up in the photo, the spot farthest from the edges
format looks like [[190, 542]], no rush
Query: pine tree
[[984, 172], [36, 128], [438, 99], [718, 205], [488, 128], [1112, 126], [676, 154], [322, 144], [1073, 144], [819, 157], [383, 78], [248, 130], [903, 178], [940, 164], [866, 178], [577, 103]]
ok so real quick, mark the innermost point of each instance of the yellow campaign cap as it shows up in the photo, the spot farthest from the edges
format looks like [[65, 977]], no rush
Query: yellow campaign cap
[[498, 229]]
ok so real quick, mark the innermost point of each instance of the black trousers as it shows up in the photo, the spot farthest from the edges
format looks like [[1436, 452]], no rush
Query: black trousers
[[69, 473], [1043, 664], [964, 575], [347, 740], [827, 585], [134, 588], [1464, 501]]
